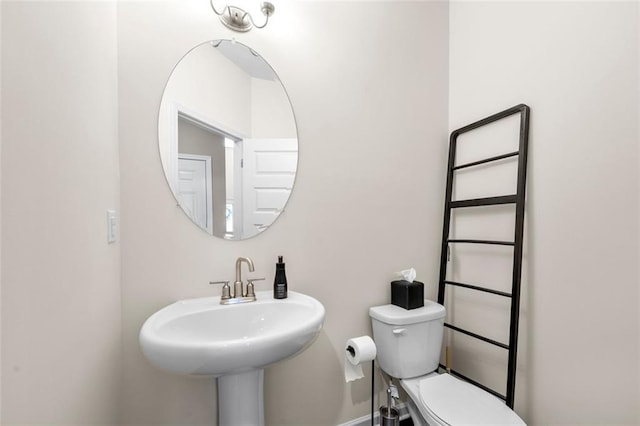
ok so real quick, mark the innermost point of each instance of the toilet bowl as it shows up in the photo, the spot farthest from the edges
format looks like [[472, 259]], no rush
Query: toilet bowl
[[408, 344]]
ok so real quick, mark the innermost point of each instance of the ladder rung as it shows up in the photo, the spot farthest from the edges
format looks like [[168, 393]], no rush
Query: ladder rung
[[498, 243], [477, 336], [475, 287], [486, 160], [488, 201]]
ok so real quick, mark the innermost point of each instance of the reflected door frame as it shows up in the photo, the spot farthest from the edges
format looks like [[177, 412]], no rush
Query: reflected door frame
[[179, 111]]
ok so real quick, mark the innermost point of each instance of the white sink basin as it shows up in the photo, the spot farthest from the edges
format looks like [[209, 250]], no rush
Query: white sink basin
[[202, 337]]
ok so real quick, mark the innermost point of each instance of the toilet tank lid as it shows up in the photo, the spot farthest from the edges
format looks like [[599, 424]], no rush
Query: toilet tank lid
[[395, 315]]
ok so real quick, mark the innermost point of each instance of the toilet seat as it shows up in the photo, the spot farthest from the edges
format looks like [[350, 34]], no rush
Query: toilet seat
[[444, 400]]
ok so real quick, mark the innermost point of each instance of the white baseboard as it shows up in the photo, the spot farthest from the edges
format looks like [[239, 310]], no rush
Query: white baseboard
[[366, 420]]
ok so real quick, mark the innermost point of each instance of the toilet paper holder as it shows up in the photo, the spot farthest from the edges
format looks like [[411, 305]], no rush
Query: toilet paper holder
[[358, 350], [351, 351]]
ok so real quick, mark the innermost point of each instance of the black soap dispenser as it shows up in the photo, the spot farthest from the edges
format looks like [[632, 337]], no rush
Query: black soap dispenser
[[280, 281]]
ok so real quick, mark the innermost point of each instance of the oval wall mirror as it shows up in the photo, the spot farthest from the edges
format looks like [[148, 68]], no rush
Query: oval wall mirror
[[228, 139]]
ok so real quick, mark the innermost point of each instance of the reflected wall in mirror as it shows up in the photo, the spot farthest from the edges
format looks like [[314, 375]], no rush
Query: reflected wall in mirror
[[228, 139]]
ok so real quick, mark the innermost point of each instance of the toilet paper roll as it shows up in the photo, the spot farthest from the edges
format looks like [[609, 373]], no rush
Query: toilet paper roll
[[358, 350]]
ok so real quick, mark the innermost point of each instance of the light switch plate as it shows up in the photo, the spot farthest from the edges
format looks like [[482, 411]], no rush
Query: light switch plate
[[112, 226]]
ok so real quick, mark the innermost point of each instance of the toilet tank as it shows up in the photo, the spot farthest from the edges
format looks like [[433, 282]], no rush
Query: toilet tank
[[408, 341]]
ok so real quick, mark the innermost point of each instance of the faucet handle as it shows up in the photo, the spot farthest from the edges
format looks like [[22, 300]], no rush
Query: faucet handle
[[226, 290], [250, 289]]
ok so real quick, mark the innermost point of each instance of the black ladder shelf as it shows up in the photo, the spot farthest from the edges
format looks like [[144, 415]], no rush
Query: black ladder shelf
[[518, 199]]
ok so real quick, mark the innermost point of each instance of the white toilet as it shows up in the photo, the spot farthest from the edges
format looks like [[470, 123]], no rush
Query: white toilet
[[408, 344]]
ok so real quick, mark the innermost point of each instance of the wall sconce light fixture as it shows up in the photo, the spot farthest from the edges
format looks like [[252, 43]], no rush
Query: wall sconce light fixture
[[237, 19]]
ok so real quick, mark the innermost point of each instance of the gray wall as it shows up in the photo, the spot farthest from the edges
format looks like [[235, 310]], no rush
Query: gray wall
[[576, 65], [367, 200], [61, 329]]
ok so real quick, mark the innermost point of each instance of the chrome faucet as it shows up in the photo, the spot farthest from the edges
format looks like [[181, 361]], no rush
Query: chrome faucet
[[238, 290], [239, 295]]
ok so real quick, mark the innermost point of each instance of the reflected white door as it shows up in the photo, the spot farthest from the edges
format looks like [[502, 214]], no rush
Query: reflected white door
[[268, 173], [194, 188]]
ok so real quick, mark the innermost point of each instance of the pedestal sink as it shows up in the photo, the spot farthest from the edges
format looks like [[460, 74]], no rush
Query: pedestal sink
[[232, 342]]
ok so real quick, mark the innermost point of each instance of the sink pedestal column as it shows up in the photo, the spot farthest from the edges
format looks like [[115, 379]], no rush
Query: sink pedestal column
[[241, 399]]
